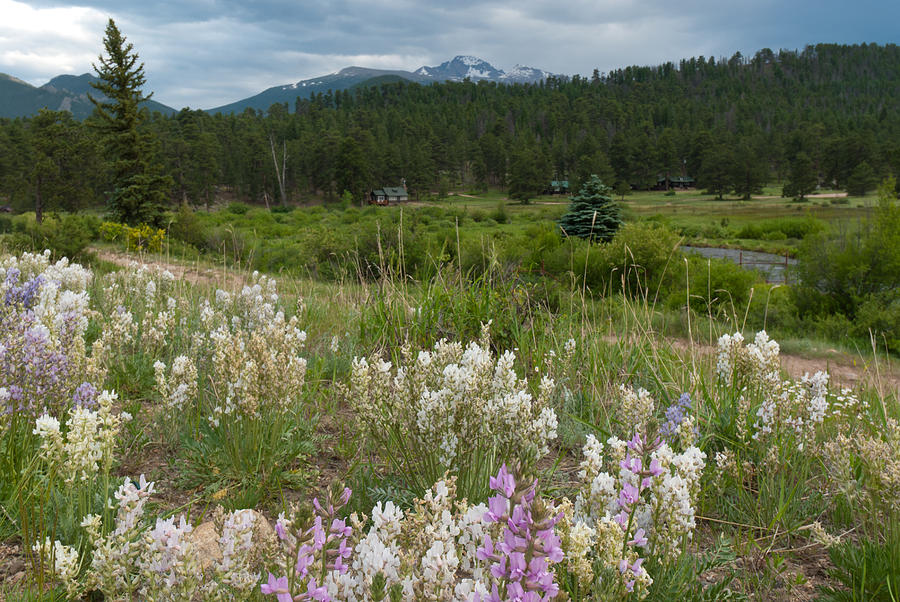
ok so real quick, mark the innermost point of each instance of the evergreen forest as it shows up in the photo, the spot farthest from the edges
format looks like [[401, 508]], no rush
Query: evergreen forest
[[823, 116]]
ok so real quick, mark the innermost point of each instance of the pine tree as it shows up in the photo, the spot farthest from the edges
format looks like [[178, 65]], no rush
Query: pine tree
[[862, 180], [138, 194], [803, 179], [593, 214], [60, 162], [526, 175]]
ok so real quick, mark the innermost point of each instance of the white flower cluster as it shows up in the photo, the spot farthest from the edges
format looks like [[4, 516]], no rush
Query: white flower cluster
[[169, 562], [236, 567], [429, 551], [756, 363], [242, 365], [801, 407], [453, 400], [156, 327], [145, 293], [244, 339], [637, 407], [115, 554], [668, 491], [67, 276], [178, 389], [61, 561], [90, 439], [255, 306], [162, 562]]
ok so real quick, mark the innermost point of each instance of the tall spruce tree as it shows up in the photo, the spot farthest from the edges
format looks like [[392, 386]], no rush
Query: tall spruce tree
[[593, 214], [138, 193], [802, 179]]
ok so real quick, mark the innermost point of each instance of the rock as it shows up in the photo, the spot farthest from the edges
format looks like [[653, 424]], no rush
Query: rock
[[206, 542], [263, 532], [17, 578], [206, 539], [15, 566]]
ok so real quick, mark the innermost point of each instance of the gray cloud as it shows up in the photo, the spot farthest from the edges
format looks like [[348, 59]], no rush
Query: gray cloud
[[204, 53]]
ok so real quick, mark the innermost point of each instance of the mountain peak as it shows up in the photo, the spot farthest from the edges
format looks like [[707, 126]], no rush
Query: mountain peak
[[469, 60], [461, 67], [74, 84], [456, 69]]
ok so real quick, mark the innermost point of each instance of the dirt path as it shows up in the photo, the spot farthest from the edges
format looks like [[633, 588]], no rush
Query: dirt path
[[824, 195], [844, 369], [195, 273]]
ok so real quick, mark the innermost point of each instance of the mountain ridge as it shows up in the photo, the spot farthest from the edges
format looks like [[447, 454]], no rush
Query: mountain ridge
[[62, 93], [458, 68], [68, 92]]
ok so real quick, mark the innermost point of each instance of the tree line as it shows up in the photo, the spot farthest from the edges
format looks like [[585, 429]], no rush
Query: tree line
[[822, 116]]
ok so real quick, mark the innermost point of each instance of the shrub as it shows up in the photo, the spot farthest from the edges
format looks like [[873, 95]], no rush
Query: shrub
[[137, 238], [592, 214], [63, 235], [639, 260], [717, 286], [186, 227], [500, 215], [238, 208]]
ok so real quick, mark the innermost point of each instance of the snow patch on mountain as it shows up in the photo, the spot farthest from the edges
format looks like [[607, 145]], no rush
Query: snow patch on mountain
[[471, 67]]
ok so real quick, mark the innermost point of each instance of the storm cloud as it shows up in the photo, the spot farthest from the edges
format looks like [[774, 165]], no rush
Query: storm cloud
[[205, 53]]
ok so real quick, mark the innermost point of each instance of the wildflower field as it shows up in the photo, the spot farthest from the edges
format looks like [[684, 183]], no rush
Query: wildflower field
[[237, 436]]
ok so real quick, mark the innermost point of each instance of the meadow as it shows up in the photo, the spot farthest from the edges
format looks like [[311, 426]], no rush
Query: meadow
[[387, 411]]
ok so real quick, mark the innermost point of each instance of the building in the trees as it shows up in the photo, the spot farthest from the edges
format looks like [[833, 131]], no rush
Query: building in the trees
[[389, 194], [557, 187], [681, 182]]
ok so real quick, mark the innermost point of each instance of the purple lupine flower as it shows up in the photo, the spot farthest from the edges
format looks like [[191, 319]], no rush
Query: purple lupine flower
[[498, 506], [85, 395], [329, 547], [675, 415], [278, 586], [639, 539], [35, 371], [24, 295], [529, 545], [305, 559], [504, 482], [314, 592]]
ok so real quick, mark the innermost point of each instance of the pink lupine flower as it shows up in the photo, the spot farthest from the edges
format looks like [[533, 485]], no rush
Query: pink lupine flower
[[639, 539], [504, 482], [528, 546], [278, 586], [317, 593], [305, 559], [628, 495]]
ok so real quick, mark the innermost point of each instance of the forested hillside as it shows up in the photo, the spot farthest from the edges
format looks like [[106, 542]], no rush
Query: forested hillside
[[825, 115]]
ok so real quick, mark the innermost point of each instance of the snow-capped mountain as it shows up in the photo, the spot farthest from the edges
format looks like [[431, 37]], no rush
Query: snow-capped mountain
[[456, 69], [521, 74], [474, 68], [461, 67]]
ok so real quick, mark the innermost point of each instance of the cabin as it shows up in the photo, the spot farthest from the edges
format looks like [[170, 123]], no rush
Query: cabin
[[557, 187], [388, 195], [5, 209], [680, 182]]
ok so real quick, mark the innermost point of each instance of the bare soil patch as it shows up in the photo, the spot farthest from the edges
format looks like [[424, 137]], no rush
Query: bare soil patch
[[226, 279]]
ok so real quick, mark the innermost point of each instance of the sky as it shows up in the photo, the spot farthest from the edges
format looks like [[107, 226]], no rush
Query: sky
[[206, 53]]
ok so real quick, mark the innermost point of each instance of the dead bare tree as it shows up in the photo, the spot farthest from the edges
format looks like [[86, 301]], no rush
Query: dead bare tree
[[279, 172]]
